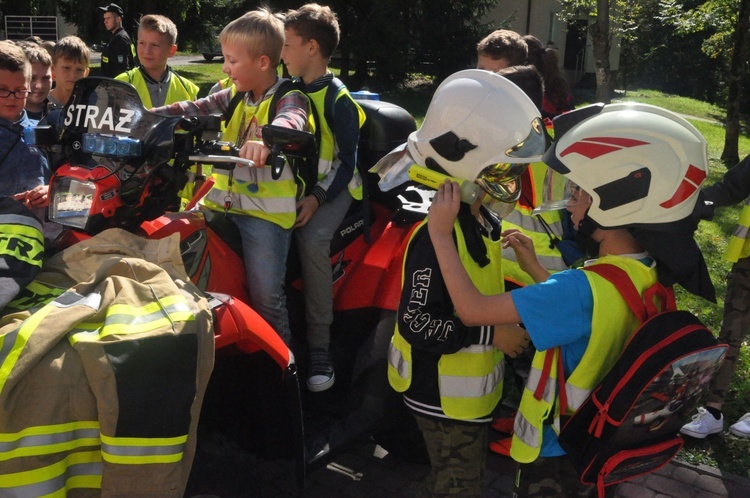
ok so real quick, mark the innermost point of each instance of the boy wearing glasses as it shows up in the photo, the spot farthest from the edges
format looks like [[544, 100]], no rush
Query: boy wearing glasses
[[21, 167]]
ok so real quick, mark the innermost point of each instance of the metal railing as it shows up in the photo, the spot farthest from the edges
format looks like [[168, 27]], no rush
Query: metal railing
[[20, 27]]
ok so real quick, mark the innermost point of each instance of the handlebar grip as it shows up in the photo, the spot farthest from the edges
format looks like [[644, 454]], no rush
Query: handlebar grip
[[221, 162]]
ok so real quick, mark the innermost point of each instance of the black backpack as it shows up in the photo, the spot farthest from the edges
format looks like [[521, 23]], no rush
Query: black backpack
[[629, 425]]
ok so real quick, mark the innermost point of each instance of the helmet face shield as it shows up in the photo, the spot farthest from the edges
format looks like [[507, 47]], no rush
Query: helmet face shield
[[560, 193], [533, 145], [501, 187]]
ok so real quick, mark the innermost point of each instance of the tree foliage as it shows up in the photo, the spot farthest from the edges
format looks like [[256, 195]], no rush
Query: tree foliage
[[727, 24], [656, 55], [385, 39]]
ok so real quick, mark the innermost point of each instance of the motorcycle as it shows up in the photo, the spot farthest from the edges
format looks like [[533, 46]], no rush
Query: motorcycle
[[119, 165]]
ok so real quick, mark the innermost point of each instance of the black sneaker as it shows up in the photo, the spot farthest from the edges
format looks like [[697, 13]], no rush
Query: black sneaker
[[321, 375]]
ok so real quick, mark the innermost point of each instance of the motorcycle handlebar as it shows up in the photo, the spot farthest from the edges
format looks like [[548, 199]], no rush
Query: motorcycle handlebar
[[218, 161]]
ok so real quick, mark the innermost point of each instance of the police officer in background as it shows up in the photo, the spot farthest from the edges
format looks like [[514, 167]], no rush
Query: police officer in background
[[119, 54]]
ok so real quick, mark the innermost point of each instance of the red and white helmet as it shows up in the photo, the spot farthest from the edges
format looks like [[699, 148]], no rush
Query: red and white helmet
[[641, 164], [478, 119]]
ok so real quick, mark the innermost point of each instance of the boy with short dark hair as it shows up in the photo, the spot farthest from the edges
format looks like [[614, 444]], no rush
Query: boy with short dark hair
[[263, 209], [312, 34], [156, 82], [41, 81], [500, 49], [70, 63], [22, 168]]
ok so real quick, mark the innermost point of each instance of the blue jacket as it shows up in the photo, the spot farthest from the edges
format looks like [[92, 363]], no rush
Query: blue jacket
[[21, 167]]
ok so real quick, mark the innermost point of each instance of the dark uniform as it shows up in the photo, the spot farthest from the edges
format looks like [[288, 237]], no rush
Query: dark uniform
[[118, 54]]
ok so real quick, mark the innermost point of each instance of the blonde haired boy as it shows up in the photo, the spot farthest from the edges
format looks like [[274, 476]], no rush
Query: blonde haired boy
[[263, 209], [156, 82]]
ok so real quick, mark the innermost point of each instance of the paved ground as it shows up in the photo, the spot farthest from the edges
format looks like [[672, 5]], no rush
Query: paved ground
[[367, 471]]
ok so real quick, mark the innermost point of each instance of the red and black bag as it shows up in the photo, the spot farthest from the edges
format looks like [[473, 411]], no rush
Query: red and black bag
[[630, 423]]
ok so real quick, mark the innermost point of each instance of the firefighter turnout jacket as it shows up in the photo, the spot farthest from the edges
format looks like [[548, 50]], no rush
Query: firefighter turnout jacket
[[101, 386]]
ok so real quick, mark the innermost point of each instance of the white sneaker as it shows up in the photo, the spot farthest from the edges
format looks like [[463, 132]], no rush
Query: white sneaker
[[741, 428], [703, 424]]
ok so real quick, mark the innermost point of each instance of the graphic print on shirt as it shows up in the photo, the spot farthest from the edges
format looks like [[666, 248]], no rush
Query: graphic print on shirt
[[421, 322]]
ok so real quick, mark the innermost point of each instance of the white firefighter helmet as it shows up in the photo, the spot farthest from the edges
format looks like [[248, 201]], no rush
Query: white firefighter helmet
[[476, 120], [641, 164]]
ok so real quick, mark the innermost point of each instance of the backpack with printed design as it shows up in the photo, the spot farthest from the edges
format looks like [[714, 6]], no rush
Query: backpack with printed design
[[629, 425]]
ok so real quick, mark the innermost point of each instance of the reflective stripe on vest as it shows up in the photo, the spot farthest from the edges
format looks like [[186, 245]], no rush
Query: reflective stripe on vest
[[179, 88], [275, 200], [141, 451], [739, 243], [522, 219], [74, 471], [612, 326], [327, 148], [470, 380]]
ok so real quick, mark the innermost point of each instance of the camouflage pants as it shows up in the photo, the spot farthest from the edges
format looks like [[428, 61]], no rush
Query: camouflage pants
[[458, 456], [735, 326], [553, 477]]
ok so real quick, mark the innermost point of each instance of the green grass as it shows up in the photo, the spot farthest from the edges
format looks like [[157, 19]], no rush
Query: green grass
[[728, 453]]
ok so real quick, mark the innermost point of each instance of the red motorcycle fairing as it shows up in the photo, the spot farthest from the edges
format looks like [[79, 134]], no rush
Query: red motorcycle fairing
[[233, 321], [203, 251], [378, 263]]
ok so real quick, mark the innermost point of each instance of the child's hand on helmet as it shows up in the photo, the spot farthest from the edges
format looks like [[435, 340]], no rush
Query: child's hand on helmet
[[523, 246], [510, 339], [444, 210]]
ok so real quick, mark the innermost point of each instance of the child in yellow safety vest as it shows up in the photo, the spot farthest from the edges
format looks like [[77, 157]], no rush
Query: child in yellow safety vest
[[450, 372], [263, 208]]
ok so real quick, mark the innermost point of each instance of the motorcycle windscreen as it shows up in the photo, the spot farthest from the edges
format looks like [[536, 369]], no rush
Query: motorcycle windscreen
[[110, 113]]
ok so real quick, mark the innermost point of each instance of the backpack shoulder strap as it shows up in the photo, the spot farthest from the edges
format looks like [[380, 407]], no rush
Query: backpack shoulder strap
[[619, 278], [232, 106], [334, 87]]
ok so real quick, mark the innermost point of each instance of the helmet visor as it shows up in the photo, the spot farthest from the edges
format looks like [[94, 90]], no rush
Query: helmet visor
[[533, 146], [560, 193], [501, 187]]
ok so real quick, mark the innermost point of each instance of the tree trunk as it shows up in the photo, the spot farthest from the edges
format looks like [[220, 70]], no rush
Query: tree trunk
[[600, 37], [730, 155]]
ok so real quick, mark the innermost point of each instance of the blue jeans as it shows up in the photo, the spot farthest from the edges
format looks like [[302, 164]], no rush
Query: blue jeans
[[265, 246]]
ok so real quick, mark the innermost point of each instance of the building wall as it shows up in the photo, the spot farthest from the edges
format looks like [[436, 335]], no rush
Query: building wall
[[538, 17]]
